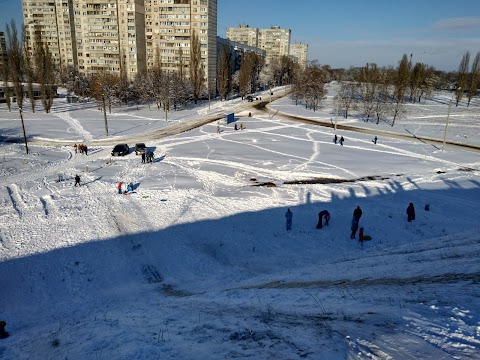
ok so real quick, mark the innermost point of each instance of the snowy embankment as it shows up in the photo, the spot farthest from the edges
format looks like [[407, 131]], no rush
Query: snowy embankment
[[196, 263]]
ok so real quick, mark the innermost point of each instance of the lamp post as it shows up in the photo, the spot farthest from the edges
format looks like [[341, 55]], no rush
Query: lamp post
[[448, 116]]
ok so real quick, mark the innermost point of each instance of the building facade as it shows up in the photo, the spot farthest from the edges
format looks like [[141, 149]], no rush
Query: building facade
[[3, 51], [123, 35], [275, 41], [243, 35], [237, 51], [299, 52]]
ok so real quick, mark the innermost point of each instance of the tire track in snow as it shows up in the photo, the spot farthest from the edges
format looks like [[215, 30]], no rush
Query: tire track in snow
[[75, 124]]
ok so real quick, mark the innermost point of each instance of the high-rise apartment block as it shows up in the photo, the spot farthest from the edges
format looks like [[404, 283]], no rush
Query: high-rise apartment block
[[298, 52], [275, 41], [3, 50], [123, 35], [243, 35]]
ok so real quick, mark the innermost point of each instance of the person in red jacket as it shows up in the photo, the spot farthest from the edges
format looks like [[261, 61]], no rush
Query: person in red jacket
[[410, 212]]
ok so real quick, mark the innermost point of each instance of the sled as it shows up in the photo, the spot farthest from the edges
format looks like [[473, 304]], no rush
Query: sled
[[367, 237]]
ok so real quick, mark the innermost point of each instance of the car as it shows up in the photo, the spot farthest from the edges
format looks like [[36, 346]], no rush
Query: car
[[120, 150], [140, 148], [251, 98]]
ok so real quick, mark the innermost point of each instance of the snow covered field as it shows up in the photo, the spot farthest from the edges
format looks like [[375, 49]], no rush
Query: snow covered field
[[197, 264]]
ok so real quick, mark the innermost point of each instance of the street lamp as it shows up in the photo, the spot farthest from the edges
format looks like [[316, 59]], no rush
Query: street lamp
[[448, 116]]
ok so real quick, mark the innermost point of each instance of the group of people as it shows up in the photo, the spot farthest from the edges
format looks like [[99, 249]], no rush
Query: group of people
[[335, 139], [148, 157], [127, 190], [236, 127], [80, 148], [324, 219]]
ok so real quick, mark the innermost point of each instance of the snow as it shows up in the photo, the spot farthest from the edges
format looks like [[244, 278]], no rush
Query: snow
[[196, 262]]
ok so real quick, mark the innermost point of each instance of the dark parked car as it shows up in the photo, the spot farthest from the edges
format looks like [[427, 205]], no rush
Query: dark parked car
[[120, 150], [251, 98], [140, 148]]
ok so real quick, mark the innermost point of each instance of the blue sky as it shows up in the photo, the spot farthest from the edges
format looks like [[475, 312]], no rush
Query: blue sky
[[353, 32]]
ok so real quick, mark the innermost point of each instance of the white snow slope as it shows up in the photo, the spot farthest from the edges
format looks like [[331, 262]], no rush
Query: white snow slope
[[197, 263]]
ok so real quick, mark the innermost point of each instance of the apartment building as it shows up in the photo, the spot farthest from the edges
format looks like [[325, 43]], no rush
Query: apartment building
[[124, 35], [298, 52], [3, 50], [170, 24], [237, 52], [275, 41], [243, 35]]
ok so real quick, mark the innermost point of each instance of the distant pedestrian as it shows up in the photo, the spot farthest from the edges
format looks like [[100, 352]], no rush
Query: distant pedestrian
[[235, 127], [77, 180], [151, 157], [119, 187], [143, 158], [85, 148], [218, 128], [321, 215], [241, 126], [75, 148], [335, 139], [288, 217], [354, 227], [357, 213], [410, 212], [375, 139], [341, 140]]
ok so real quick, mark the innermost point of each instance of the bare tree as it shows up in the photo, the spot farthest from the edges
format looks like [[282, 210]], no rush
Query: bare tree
[[104, 89], [5, 73], [416, 75], [347, 97], [29, 73], [400, 86], [381, 99], [473, 79], [15, 64], [45, 75], [314, 88], [368, 84], [462, 78], [224, 76], [197, 73]]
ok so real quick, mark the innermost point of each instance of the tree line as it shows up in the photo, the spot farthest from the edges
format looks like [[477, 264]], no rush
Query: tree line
[[382, 92]]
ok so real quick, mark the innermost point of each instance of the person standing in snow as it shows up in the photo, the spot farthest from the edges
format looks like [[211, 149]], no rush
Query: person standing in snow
[[410, 212], [119, 187], [354, 227], [335, 139], [143, 158], [321, 214], [357, 213], [77, 180], [289, 216], [341, 140], [375, 139]]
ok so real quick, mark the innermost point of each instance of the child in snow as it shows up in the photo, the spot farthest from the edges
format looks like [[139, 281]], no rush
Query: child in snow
[[354, 227], [119, 187], [130, 187]]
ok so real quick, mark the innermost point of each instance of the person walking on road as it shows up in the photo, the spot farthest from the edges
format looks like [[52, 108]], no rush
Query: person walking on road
[[77, 180]]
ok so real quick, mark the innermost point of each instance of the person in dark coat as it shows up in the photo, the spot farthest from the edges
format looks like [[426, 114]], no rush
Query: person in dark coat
[[375, 139], [288, 217], [354, 227], [335, 139], [341, 140], [143, 158], [321, 215], [77, 180], [410, 212], [357, 213]]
